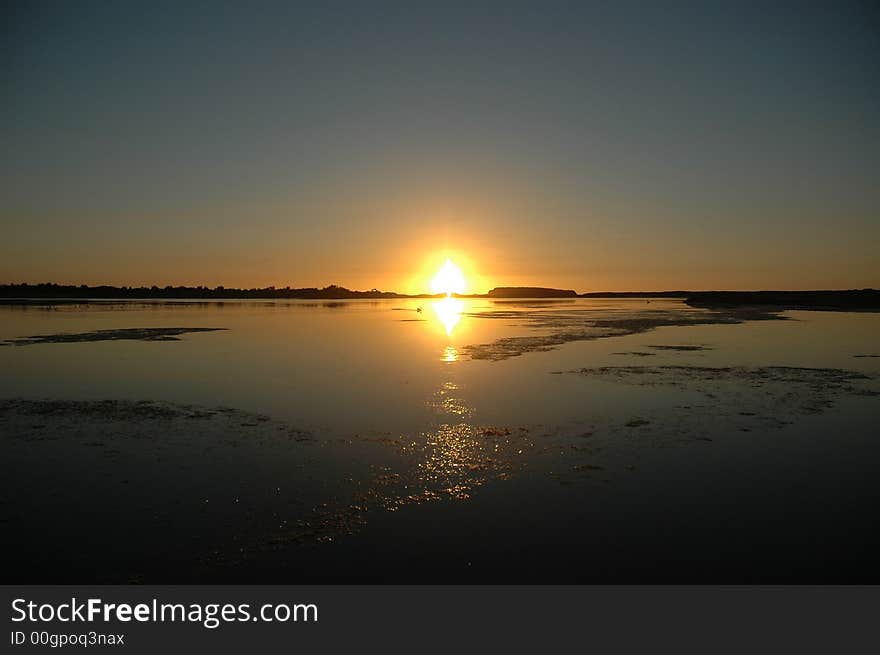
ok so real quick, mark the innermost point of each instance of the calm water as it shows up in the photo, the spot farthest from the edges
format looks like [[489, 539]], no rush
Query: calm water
[[729, 452]]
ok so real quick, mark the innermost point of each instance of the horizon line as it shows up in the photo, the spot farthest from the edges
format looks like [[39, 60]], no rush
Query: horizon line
[[222, 289]]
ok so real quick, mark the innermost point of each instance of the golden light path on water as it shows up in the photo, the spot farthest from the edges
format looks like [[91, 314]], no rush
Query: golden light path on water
[[450, 459], [448, 311], [453, 457]]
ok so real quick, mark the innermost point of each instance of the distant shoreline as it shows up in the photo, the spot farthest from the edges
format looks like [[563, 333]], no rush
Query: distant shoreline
[[821, 300]]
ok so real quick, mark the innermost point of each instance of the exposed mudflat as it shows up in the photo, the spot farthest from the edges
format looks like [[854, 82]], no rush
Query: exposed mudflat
[[684, 348], [122, 334], [561, 326]]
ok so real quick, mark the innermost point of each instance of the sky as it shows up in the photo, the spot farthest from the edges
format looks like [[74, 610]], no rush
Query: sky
[[590, 145]]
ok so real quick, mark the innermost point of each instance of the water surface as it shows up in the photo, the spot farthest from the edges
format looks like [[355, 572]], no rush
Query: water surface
[[433, 441]]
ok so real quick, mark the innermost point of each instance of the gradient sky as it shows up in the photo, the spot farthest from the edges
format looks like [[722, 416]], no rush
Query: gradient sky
[[595, 146]]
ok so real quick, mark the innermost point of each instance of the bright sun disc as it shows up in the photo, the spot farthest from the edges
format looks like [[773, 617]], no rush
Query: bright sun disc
[[449, 280]]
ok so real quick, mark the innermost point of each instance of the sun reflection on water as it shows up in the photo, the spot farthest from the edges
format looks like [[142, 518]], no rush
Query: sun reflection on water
[[447, 400], [448, 312], [447, 462]]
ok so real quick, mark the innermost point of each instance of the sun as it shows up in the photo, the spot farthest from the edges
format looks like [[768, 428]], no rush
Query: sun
[[449, 280]]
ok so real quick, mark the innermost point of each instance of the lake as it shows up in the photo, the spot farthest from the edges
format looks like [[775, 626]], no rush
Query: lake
[[423, 441]]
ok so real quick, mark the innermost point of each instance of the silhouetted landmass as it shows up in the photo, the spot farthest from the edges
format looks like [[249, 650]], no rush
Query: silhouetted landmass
[[849, 300], [530, 292], [826, 300], [62, 291], [842, 300], [636, 294], [332, 292]]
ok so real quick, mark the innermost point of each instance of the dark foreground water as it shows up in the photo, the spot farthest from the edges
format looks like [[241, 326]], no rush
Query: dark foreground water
[[449, 441]]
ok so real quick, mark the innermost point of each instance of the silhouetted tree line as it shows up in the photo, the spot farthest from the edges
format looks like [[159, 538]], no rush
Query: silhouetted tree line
[[50, 290], [853, 299]]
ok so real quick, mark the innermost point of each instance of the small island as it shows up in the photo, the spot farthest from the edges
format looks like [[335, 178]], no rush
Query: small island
[[530, 292]]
